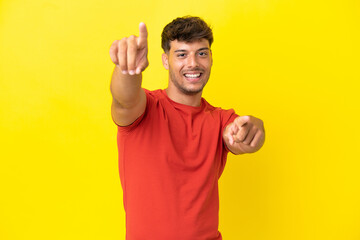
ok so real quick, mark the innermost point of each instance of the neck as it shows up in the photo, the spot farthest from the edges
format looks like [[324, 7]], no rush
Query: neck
[[177, 96]]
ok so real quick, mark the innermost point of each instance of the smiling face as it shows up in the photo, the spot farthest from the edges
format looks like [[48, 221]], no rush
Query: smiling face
[[189, 65]]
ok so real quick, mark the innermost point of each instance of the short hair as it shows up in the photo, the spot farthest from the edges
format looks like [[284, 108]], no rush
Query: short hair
[[186, 29]]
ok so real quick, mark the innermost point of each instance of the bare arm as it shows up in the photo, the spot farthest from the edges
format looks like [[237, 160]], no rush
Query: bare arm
[[245, 135], [130, 56]]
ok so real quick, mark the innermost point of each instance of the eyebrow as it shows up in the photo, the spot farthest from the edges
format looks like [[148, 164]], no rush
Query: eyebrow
[[201, 49]]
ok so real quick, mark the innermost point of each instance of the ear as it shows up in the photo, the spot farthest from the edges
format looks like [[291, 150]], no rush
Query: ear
[[165, 61]]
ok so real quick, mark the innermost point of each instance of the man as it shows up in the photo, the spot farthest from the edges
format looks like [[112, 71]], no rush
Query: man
[[172, 143]]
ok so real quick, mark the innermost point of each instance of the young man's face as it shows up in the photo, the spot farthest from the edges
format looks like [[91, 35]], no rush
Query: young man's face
[[189, 65]]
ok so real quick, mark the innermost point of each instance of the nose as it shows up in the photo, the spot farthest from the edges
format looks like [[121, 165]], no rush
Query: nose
[[192, 61]]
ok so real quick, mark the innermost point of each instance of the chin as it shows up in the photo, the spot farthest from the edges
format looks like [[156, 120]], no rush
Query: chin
[[191, 91]]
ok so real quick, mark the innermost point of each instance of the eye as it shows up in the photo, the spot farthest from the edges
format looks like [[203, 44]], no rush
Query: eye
[[203, 54], [181, 55]]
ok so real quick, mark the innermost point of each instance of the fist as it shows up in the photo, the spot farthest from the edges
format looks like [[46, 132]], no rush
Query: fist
[[130, 53], [245, 135]]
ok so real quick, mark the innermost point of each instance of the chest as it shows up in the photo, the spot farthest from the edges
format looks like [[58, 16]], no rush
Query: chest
[[184, 140]]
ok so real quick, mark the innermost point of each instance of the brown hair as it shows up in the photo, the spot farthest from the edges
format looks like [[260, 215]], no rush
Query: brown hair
[[185, 29]]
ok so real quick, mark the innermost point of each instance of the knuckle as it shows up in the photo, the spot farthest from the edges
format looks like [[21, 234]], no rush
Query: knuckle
[[122, 41], [260, 121], [113, 45], [241, 136], [131, 39]]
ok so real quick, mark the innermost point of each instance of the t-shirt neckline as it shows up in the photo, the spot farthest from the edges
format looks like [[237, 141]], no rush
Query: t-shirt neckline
[[184, 106]]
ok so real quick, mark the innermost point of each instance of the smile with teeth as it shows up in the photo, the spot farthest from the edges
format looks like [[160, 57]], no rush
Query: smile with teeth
[[191, 75]]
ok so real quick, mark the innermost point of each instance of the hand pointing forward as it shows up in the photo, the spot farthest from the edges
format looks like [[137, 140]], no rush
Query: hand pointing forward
[[245, 135], [130, 53]]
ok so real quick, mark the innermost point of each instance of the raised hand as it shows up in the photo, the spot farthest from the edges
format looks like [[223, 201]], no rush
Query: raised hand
[[130, 53], [245, 135]]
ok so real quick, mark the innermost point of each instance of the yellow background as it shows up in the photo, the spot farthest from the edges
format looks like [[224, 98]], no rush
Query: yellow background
[[294, 64]]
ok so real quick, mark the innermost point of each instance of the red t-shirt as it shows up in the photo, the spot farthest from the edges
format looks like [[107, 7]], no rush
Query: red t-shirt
[[170, 160]]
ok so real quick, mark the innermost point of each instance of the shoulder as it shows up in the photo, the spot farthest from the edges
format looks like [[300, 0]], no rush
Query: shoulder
[[151, 98], [154, 95], [210, 108], [226, 116]]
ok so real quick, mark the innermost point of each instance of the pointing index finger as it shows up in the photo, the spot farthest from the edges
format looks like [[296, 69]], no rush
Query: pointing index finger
[[142, 40]]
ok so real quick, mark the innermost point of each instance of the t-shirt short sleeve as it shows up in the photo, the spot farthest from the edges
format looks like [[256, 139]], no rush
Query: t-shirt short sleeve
[[149, 102]]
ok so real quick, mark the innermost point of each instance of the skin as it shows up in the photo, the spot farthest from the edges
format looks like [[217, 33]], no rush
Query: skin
[[245, 134], [187, 58]]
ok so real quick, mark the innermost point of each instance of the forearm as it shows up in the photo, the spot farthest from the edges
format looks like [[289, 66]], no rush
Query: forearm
[[125, 88]]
